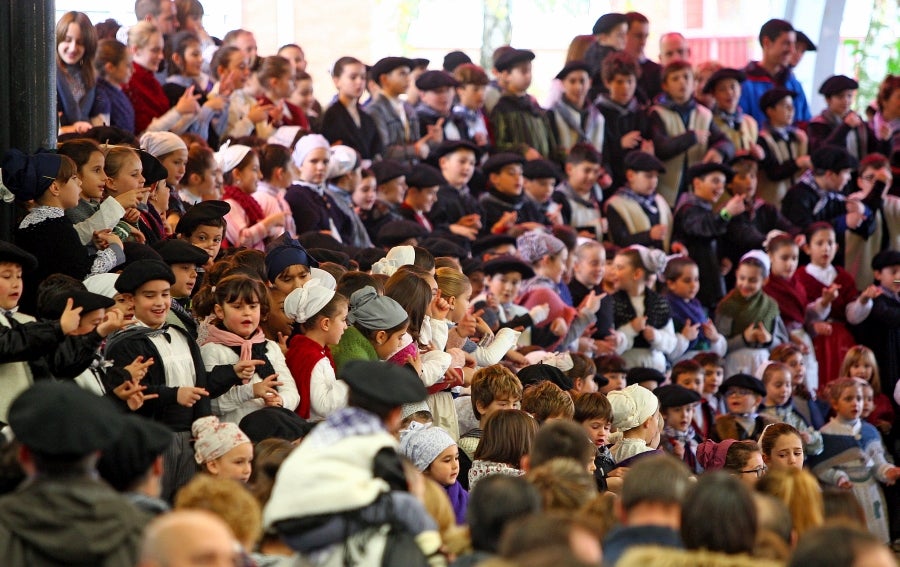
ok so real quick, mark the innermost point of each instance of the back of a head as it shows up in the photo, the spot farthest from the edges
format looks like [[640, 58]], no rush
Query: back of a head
[[169, 534], [773, 516], [836, 545], [496, 501], [719, 515], [642, 483], [534, 533], [564, 484], [799, 490], [228, 500], [561, 439]]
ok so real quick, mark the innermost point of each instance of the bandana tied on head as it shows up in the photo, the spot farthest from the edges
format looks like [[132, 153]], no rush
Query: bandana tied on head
[[344, 159], [711, 455], [632, 406], [28, 177], [285, 136], [422, 444], [373, 311], [396, 257], [760, 257], [162, 143], [102, 284], [654, 260], [306, 144], [304, 302], [228, 157], [215, 438]]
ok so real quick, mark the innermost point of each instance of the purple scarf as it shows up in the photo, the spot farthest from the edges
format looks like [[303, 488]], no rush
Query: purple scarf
[[459, 499], [682, 311]]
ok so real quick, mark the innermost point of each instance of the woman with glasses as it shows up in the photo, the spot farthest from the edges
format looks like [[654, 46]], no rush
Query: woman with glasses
[[743, 459]]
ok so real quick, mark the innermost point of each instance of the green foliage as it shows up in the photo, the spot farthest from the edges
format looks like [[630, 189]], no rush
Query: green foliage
[[878, 54]]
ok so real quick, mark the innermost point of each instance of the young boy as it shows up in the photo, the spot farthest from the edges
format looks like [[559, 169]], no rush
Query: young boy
[[456, 210], [178, 377], [504, 277], [422, 185], [542, 204], [546, 401], [683, 132], [741, 129], [576, 120], [701, 229], [625, 122], [184, 259], [677, 405], [779, 405], [503, 200], [436, 90], [494, 388], [595, 415], [390, 188], [470, 108], [785, 147], [613, 368], [839, 125], [713, 374], [881, 329], [204, 227], [582, 189], [519, 124], [743, 393], [690, 374], [397, 121], [588, 270], [637, 214]]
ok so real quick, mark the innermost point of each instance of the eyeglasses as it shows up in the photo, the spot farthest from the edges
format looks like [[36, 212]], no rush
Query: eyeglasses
[[758, 471], [868, 178], [738, 392]]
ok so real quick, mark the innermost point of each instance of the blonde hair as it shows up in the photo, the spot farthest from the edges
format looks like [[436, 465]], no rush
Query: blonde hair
[[564, 484], [227, 499], [860, 353], [116, 157], [139, 34], [800, 492], [451, 282]]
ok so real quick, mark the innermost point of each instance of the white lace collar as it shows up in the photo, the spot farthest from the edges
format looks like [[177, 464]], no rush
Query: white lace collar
[[39, 214]]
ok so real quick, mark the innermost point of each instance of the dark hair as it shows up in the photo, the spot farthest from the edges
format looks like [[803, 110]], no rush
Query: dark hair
[[273, 67], [507, 437], [755, 263], [247, 160], [642, 484], [771, 434], [709, 359], [582, 367], [636, 18], [675, 267], [496, 501], [567, 235], [842, 504], [874, 160], [561, 439], [185, 9], [338, 69], [355, 280], [414, 295], [779, 241], [719, 515], [242, 288], [79, 150], [273, 157], [687, 366], [619, 63], [328, 311], [203, 301], [674, 67], [886, 89], [738, 454], [835, 545], [52, 287], [268, 455], [88, 40], [109, 51], [66, 170], [582, 152], [592, 405], [248, 262], [815, 227], [177, 45], [200, 161], [610, 363], [470, 74], [222, 58], [773, 29], [423, 258]]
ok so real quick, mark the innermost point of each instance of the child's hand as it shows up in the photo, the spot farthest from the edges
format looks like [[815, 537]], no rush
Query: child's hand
[[506, 222], [187, 396], [464, 231], [470, 221], [480, 139], [764, 335], [803, 162], [691, 330], [855, 219], [128, 199], [415, 362], [559, 327], [99, 242], [845, 483], [805, 437], [710, 331], [275, 219], [258, 113], [647, 147], [138, 368], [631, 139], [830, 293], [870, 292], [245, 369], [188, 104], [638, 324], [282, 342], [892, 474], [758, 152], [712, 156], [132, 216], [702, 137], [798, 342], [658, 231], [132, 394], [466, 326], [112, 322], [606, 345], [750, 334], [649, 333], [539, 313], [110, 238], [852, 119], [70, 318], [276, 113], [822, 328], [591, 302], [735, 205], [267, 387], [532, 154], [678, 449]]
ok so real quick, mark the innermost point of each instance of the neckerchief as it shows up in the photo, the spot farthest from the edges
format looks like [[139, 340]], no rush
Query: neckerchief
[[647, 202], [733, 120], [250, 205]]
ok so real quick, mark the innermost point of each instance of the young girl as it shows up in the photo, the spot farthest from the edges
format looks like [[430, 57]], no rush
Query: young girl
[[185, 64], [377, 326], [854, 456], [276, 170], [311, 206], [234, 335], [635, 412], [860, 363], [749, 318], [507, 438], [172, 152], [800, 317], [80, 108], [435, 454], [113, 66], [320, 319], [231, 70], [778, 404], [802, 397], [694, 330], [222, 449], [345, 120], [276, 79], [303, 98], [841, 302], [740, 458], [247, 226], [364, 194], [198, 182], [124, 174], [641, 314], [51, 181], [781, 446]]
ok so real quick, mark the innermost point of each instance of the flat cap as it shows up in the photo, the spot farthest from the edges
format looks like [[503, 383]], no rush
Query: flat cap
[[573, 66], [11, 253], [745, 381], [541, 169], [507, 265], [500, 160], [673, 396], [383, 382], [721, 75], [388, 64], [433, 80], [423, 175], [642, 161], [640, 374], [773, 96], [203, 213], [274, 422], [454, 59], [387, 170], [513, 57], [837, 84], [128, 459], [139, 273], [702, 169]]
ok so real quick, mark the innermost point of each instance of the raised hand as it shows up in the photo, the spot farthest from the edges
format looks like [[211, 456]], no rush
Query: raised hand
[[187, 396]]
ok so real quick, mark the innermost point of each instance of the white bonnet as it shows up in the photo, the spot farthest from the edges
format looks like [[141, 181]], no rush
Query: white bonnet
[[304, 302], [632, 406]]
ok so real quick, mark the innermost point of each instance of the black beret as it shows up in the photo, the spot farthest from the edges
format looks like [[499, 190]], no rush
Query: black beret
[[837, 84], [135, 252], [315, 239], [497, 162], [471, 265], [282, 256], [833, 158], [573, 66], [454, 59], [128, 459], [773, 96], [642, 161], [640, 374], [541, 169], [443, 247], [202, 213], [742, 156], [433, 80], [333, 256], [536, 373], [886, 259], [29, 176], [60, 419], [80, 298], [383, 382], [11, 253], [721, 75], [139, 273], [506, 265], [397, 232], [153, 169], [368, 256], [418, 62], [388, 64], [274, 423], [745, 381], [702, 169], [513, 57], [450, 146], [607, 22], [673, 396], [485, 243], [387, 170], [803, 39], [177, 251], [423, 176]]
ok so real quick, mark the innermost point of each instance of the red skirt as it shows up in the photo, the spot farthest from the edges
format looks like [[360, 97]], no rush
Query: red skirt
[[830, 352]]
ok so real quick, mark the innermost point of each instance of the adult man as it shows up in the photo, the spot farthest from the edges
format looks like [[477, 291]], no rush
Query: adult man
[[188, 538], [673, 47], [635, 43], [160, 13], [777, 38]]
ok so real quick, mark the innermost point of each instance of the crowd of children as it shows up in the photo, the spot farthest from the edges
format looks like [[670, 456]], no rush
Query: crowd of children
[[433, 304]]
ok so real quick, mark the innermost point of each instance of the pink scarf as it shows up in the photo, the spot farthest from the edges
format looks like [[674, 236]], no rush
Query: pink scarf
[[229, 339]]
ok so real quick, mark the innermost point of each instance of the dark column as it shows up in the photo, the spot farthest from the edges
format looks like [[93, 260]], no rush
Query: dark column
[[27, 82]]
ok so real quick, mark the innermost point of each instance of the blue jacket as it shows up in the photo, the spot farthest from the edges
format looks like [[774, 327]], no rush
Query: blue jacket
[[759, 81]]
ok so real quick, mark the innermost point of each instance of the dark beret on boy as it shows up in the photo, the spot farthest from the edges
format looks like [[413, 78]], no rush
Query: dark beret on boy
[[803, 39], [506, 265], [485, 243], [396, 232], [673, 396], [886, 259], [513, 57], [497, 162], [607, 22], [745, 381], [274, 423], [129, 458], [423, 176], [153, 170], [442, 247], [541, 169], [703, 169], [454, 59], [388, 64], [433, 80], [837, 84], [536, 373], [640, 374], [721, 75], [11, 253], [334, 256], [177, 251], [387, 170], [449, 146], [203, 213], [80, 298], [368, 256], [642, 161], [139, 273], [383, 382], [773, 96], [420, 63], [571, 67], [833, 158]]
